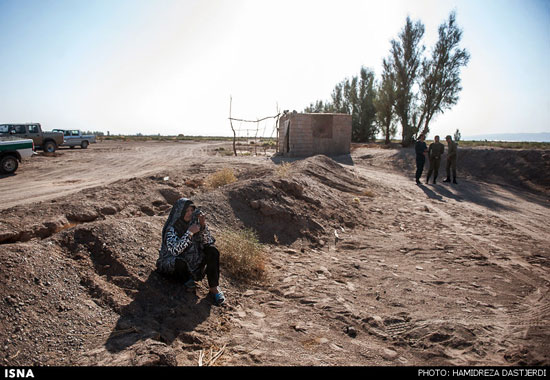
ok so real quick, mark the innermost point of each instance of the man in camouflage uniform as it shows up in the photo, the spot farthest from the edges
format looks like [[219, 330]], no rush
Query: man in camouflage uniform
[[435, 152], [451, 159]]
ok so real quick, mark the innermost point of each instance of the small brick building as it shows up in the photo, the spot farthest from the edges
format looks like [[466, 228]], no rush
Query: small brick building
[[308, 134]]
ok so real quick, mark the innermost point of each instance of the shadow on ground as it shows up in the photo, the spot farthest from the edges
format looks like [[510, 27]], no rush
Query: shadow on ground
[[464, 191], [161, 310]]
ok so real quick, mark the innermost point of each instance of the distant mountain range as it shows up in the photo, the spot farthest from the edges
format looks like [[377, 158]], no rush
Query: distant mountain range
[[530, 137]]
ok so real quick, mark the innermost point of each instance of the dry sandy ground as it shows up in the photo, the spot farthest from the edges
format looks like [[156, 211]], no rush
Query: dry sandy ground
[[364, 267]]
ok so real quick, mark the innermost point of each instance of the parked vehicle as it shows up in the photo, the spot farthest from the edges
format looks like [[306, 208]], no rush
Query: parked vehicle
[[13, 151], [74, 137], [47, 141]]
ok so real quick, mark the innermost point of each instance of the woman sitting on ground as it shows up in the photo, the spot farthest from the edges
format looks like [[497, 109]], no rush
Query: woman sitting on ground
[[187, 251]]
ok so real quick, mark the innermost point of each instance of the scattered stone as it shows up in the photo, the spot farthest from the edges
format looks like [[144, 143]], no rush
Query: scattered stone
[[82, 216], [389, 354], [351, 331], [8, 236], [108, 210], [374, 321], [147, 210], [257, 314], [170, 195]]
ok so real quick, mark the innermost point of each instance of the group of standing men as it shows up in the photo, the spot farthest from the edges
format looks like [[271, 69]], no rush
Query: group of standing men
[[434, 153]]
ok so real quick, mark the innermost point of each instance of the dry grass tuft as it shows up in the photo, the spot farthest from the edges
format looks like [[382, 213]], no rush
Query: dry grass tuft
[[368, 193], [283, 170], [242, 255], [221, 178]]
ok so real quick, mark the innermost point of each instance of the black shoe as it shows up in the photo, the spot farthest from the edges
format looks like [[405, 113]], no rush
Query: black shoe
[[447, 180], [417, 182], [454, 181], [434, 181]]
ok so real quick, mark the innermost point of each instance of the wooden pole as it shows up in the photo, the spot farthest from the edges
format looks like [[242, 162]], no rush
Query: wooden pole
[[233, 129]]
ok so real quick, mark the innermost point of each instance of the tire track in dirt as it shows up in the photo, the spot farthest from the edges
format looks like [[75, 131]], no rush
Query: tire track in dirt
[[526, 226]]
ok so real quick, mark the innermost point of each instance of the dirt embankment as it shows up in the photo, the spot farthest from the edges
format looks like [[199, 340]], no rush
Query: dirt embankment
[[364, 268], [525, 169]]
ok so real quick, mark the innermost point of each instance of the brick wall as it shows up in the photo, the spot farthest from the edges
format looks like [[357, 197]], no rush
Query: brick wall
[[303, 135]]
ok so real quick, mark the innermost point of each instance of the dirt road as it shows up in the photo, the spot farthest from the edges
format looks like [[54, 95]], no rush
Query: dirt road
[[47, 176], [364, 267]]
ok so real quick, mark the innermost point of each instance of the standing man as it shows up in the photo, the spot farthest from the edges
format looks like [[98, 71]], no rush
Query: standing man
[[420, 149], [435, 152], [451, 159]]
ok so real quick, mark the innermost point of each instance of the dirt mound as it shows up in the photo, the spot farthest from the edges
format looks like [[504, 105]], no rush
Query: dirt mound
[[528, 169], [89, 261], [314, 198], [62, 291]]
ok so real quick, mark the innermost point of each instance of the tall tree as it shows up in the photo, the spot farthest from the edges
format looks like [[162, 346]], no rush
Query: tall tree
[[385, 101], [355, 97], [440, 75], [337, 99], [316, 107], [364, 127], [406, 53]]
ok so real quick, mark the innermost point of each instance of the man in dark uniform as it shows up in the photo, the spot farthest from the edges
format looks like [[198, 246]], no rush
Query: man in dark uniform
[[420, 149], [451, 159], [435, 152]]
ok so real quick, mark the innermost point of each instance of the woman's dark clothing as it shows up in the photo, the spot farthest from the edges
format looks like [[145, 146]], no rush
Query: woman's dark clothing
[[210, 266], [191, 255]]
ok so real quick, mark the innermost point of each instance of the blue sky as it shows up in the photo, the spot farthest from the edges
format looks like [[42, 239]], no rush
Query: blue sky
[[170, 66]]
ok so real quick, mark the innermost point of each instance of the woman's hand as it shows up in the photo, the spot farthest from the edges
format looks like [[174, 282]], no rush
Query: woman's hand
[[194, 229], [202, 220]]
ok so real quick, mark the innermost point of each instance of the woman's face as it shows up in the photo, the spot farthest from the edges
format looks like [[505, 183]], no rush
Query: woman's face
[[188, 213]]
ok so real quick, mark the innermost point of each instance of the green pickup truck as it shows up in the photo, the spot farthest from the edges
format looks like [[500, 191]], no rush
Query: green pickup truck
[[13, 151]]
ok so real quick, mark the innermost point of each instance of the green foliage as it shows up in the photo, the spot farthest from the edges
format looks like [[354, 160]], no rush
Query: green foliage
[[412, 91], [384, 103], [406, 58], [354, 97], [440, 78]]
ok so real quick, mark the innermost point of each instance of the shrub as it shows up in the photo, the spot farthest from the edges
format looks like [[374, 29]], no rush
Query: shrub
[[283, 170], [220, 178], [241, 254], [368, 193]]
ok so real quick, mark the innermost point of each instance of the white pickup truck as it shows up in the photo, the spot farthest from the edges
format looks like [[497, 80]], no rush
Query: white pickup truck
[[13, 151], [74, 137]]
